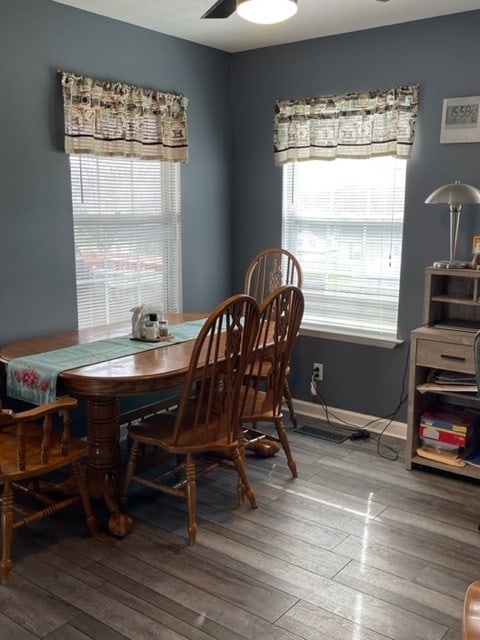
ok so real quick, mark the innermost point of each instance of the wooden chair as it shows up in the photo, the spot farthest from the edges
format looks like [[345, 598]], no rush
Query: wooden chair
[[202, 432], [262, 396], [31, 449], [269, 270], [471, 612]]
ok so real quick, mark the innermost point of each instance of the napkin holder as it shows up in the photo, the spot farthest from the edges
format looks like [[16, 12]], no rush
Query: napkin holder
[[141, 315]]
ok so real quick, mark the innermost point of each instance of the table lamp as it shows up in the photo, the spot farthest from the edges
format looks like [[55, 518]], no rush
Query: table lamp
[[455, 194]]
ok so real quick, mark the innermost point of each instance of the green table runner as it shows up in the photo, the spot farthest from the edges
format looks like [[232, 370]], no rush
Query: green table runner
[[34, 378]]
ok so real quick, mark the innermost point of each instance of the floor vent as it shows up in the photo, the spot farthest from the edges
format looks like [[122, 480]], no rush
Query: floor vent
[[324, 432]]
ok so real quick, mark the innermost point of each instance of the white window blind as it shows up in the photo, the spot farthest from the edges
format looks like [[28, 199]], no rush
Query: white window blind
[[127, 228], [344, 221]]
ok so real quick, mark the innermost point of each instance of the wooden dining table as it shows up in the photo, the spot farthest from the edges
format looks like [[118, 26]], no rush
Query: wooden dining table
[[102, 385]]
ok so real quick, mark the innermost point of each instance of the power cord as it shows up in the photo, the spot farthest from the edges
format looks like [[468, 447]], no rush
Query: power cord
[[388, 453], [358, 433], [391, 416]]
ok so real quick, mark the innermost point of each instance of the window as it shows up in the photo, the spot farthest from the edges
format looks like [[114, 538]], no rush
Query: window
[[344, 221], [127, 227]]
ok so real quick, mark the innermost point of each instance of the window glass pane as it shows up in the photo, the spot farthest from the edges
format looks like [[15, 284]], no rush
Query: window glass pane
[[127, 230], [344, 221]]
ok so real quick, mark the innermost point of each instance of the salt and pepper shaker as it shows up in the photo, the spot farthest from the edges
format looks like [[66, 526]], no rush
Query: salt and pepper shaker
[[163, 328], [151, 327]]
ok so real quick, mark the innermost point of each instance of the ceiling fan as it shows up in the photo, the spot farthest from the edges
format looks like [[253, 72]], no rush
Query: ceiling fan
[[221, 9], [225, 8], [259, 11]]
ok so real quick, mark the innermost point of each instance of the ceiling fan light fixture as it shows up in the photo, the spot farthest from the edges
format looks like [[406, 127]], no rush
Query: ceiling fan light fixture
[[266, 11]]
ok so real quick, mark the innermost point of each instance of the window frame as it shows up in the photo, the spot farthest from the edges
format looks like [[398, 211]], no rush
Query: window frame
[[291, 240], [143, 214]]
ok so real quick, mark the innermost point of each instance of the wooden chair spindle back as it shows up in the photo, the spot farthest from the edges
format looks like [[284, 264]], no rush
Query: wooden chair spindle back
[[271, 269], [220, 354]]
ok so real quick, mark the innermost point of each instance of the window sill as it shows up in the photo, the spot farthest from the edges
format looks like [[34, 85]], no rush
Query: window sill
[[343, 335]]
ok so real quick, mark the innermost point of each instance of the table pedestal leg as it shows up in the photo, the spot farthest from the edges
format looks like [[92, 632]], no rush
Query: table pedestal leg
[[103, 436]]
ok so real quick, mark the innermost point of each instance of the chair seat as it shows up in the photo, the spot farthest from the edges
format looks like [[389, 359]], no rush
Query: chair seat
[[264, 369], [257, 405], [34, 435], [158, 430]]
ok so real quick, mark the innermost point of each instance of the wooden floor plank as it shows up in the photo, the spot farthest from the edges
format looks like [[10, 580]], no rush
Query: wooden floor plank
[[357, 548]]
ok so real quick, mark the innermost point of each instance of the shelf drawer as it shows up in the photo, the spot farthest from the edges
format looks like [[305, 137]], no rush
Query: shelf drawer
[[445, 355]]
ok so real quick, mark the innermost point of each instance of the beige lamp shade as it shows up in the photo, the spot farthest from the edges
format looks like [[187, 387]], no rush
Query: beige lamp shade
[[455, 195]]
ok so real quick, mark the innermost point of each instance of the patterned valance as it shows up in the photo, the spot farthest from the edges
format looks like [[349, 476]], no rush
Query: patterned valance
[[115, 119], [352, 125]]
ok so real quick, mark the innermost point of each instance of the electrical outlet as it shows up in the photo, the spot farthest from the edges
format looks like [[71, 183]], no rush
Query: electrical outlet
[[318, 371], [317, 376]]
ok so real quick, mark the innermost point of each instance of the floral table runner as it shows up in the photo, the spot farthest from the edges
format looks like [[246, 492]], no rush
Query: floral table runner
[[34, 378]]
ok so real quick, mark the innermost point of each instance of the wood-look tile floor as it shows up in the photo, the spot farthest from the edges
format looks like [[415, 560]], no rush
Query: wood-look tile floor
[[356, 548]]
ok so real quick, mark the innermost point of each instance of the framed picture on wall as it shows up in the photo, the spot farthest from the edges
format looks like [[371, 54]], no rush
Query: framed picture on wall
[[461, 120]]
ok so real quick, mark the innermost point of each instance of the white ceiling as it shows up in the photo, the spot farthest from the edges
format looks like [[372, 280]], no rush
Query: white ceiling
[[314, 18]]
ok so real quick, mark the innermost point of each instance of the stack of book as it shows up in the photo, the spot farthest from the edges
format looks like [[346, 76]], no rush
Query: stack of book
[[440, 380], [447, 433]]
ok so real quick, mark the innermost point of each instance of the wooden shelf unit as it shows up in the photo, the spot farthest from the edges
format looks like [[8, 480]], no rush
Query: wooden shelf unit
[[451, 317], [452, 295]]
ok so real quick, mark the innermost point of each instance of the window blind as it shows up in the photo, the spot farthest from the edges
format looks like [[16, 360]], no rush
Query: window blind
[[127, 230], [344, 221]]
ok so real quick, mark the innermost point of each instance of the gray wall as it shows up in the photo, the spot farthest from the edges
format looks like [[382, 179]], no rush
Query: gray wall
[[441, 55], [37, 277], [225, 220]]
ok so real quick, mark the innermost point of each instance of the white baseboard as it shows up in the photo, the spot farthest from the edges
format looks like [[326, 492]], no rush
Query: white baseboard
[[360, 420], [313, 410]]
